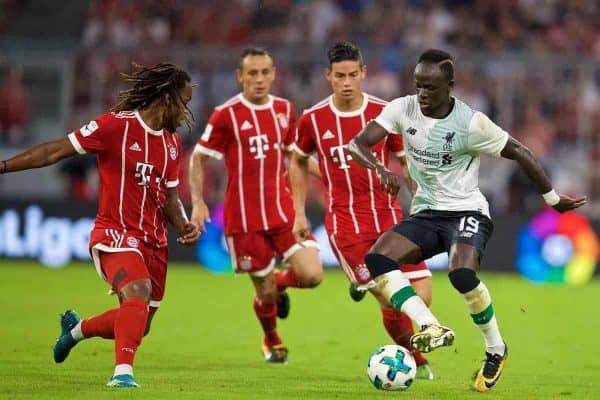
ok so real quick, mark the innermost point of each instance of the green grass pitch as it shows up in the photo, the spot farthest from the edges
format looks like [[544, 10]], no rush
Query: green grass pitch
[[205, 340]]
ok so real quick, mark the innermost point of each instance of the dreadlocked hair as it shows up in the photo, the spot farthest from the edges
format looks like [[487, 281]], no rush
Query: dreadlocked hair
[[150, 83]]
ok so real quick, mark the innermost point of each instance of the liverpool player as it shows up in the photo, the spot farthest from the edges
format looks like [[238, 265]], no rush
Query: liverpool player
[[138, 160], [358, 210], [252, 132]]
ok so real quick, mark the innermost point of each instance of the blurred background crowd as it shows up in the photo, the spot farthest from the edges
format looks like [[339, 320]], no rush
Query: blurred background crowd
[[532, 65]]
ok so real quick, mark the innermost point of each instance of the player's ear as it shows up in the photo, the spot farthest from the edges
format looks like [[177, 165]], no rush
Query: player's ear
[[363, 69], [451, 83], [238, 74], [327, 73]]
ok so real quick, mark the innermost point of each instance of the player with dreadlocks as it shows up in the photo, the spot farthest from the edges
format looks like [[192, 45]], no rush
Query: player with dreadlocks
[[138, 161]]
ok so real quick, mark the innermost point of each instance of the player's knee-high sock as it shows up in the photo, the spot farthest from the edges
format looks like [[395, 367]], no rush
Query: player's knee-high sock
[[398, 290], [479, 304], [267, 315], [102, 325], [285, 279], [130, 324], [400, 328]]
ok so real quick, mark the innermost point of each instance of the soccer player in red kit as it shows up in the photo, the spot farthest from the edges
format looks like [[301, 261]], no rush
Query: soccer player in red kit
[[138, 161], [358, 209], [252, 132]]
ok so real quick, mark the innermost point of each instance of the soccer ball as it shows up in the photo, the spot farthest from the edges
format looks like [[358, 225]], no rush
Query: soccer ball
[[391, 367]]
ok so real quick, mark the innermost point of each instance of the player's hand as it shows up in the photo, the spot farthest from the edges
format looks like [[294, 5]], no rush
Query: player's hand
[[389, 181], [200, 215], [300, 230], [189, 234], [567, 203]]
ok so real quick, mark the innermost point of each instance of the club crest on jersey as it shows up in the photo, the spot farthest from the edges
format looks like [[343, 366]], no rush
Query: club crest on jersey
[[132, 242], [283, 120], [172, 152]]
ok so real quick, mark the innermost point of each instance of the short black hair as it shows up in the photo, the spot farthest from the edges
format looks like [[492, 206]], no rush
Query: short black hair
[[252, 51], [344, 51], [440, 57]]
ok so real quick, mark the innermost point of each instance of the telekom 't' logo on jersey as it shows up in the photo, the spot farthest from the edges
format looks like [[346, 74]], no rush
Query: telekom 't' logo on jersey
[[143, 172], [259, 144], [338, 155]]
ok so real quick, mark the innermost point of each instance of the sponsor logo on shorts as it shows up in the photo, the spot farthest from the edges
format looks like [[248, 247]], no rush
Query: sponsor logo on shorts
[[245, 263], [132, 242]]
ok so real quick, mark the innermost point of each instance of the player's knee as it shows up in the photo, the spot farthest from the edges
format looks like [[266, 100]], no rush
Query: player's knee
[[379, 264], [463, 279], [312, 279], [268, 295], [139, 288]]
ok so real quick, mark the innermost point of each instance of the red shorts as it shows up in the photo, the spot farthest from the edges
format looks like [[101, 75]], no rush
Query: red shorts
[[351, 249], [135, 254], [254, 252]]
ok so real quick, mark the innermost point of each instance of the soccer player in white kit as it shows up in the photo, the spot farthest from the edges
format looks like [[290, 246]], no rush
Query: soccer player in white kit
[[443, 139]]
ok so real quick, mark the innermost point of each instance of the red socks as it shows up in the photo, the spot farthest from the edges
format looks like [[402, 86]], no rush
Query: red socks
[[130, 324], [400, 328], [286, 278], [102, 325], [267, 315]]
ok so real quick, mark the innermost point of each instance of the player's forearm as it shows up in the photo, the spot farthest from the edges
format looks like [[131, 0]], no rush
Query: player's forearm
[[299, 170], [529, 163], [313, 168], [38, 156], [196, 178], [175, 212], [361, 153]]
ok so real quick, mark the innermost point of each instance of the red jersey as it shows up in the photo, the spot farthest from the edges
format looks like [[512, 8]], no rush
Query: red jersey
[[253, 139], [136, 165], [355, 201]]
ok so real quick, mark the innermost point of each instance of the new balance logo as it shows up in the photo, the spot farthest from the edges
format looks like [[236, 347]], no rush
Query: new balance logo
[[246, 125], [328, 135], [411, 131], [135, 147]]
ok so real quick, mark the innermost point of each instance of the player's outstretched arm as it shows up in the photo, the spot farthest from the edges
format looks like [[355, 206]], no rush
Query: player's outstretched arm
[[360, 148], [176, 215], [533, 169], [39, 156], [200, 211], [299, 170]]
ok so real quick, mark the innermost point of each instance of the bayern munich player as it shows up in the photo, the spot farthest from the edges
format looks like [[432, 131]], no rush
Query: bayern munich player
[[138, 160], [359, 211], [252, 132]]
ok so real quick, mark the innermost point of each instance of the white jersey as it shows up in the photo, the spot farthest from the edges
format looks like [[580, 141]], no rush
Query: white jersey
[[443, 153]]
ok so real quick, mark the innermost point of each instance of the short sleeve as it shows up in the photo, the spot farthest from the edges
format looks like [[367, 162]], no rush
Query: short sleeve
[[95, 136], [215, 138], [305, 136], [390, 117], [485, 136], [173, 168], [395, 145], [290, 137]]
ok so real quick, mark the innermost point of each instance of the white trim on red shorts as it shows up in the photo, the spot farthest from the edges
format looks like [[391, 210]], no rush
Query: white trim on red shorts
[[98, 247], [414, 275], [264, 272], [299, 246]]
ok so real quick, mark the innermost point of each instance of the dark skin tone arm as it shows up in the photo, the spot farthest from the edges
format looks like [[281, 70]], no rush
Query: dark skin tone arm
[[175, 213], [533, 169], [373, 133], [360, 148], [39, 156]]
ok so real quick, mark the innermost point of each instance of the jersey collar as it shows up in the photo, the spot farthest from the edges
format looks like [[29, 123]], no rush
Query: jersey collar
[[354, 113], [253, 106], [146, 127]]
